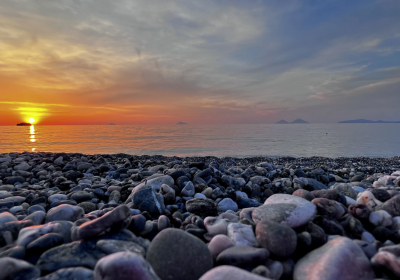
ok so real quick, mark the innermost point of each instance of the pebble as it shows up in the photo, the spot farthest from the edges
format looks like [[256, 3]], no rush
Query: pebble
[[242, 235], [64, 212], [17, 269], [219, 243], [68, 217], [175, 254], [242, 256], [124, 266], [343, 258], [227, 204], [290, 210], [228, 272]]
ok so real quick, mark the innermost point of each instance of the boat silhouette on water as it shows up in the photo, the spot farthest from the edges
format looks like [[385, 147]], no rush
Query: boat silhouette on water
[[24, 124]]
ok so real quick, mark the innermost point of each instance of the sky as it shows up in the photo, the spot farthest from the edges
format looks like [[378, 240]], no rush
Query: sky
[[200, 62]]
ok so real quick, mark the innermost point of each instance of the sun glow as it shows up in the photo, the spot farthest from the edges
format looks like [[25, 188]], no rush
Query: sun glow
[[31, 120]]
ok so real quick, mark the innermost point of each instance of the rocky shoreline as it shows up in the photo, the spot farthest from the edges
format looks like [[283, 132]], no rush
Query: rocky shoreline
[[75, 216]]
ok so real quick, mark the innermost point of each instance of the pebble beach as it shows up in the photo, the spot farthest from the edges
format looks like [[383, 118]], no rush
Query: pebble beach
[[119, 216]]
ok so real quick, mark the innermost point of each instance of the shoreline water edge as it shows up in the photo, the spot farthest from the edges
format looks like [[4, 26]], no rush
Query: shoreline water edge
[[115, 216]]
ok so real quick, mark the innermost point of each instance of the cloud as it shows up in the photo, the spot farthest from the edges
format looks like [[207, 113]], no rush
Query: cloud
[[262, 59]]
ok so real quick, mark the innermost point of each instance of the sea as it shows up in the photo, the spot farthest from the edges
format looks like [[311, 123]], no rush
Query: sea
[[220, 140]]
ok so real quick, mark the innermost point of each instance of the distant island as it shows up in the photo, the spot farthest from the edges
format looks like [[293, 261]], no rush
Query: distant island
[[181, 123], [295, 121], [366, 121], [282, 122], [111, 123]]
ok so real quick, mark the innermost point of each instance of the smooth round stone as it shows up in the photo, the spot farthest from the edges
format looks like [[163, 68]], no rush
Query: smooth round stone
[[387, 260], [114, 246], [340, 258], [242, 256], [215, 226], [392, 206], [289, 210], [242, 235], [17, 269], [304, 194], [279, 239], [36, 208], [329, 208], [6, 217], [380, 218], [219, 243], [138, 223], [119, 217], [124, 266], [202, 207], [175, 254], [72, 273], [64, 212], [228, 272], [227, 204]]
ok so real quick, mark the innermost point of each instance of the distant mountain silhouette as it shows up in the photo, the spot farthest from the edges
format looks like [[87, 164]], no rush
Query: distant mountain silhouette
[[282, 122], [181, 123], [366, 121], [299, 121]]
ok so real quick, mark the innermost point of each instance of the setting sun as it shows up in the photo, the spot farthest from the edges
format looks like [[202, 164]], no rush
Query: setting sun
[[31, 120]]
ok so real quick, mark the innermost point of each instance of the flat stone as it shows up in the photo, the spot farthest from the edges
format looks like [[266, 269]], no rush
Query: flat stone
[[75, 254], [17, 269], [115, 246], [117, 219], [73, 273], [175, 254], [340, 258], [124, 266], [64, 212], [289, 210], [313, 185], [6, 217], [242, 256]]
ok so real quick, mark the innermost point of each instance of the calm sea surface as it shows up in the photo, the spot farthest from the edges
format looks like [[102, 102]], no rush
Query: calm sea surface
[[329, 140]]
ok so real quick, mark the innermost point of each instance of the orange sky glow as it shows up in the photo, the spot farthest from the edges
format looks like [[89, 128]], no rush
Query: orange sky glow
[[161, 62]]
